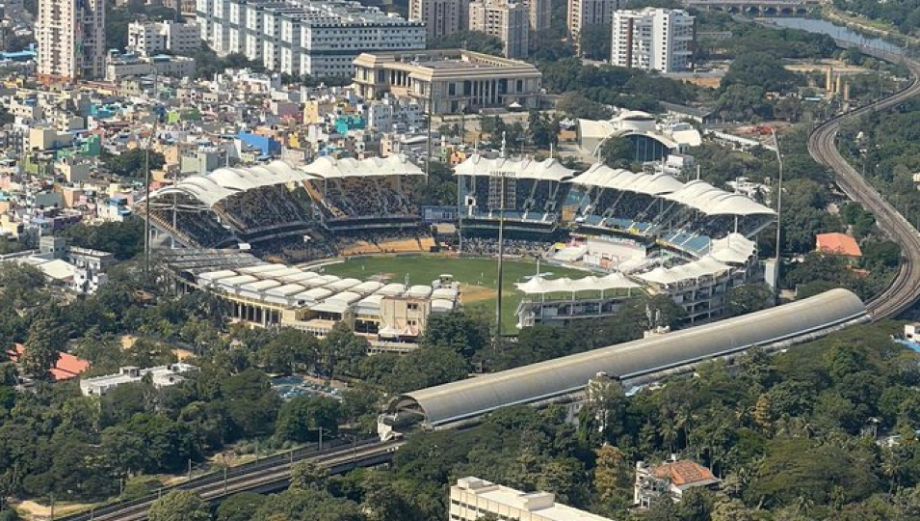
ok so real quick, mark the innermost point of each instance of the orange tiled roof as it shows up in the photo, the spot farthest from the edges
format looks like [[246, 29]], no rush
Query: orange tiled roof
[[67, 367], [838, 244], [685, 473]]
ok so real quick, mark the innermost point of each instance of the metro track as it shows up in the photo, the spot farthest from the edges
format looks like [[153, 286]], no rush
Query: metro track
[[268, 476], [904, 290]]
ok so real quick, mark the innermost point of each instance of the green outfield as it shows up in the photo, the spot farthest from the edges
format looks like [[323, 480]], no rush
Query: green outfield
[[478, 277]]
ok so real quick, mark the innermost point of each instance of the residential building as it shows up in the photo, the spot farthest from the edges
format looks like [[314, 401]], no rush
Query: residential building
[[449, 81], [585, 13], [149, 38], [441, 17], [71, 39], [652, 39], [160, 376], [125, 65], [471, 498], [509, 22], [669, 481], [300, 37], [540, 12], [67, 366]]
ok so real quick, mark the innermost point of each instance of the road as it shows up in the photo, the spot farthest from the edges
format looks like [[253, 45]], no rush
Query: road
[[904, 290], [266, 476]]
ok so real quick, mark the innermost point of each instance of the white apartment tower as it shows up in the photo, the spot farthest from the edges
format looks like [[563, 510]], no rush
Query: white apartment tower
[[71, 39], [507, 21], [297, 37], [584, 13], [441, 17], [652, 39], [147, 38]]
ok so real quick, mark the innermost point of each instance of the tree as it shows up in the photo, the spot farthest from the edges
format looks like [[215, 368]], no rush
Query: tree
[[341, 351], [617, 152], [42, 348], [761, 69], [307, 475], [132, 163], [470, 40], [179, 505], [426, 367], [301, 418], [458, 331], [542, 130], [595, 41], [612, 475], [289, 349], [240, 507], [748, 298]]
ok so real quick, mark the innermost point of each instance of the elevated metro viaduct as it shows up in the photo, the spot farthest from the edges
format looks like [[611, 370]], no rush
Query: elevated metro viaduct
[[564, 379]]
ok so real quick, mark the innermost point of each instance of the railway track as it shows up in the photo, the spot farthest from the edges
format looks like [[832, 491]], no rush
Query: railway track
[[904, 290], [265, 476]]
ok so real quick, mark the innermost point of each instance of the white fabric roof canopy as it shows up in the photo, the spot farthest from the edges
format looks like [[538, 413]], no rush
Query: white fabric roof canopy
[[733, 248], [603, 176], [710, 200], [222, 183], [702, 267], [546, 170], [541, 286], [331, 168]]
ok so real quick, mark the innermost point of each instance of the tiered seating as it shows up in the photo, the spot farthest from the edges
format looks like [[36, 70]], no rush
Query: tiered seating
[[365, 197], [267, 208]]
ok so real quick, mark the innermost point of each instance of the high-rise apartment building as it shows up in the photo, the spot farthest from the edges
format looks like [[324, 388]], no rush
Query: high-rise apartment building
[[302, 36], [441, 17], [652, 39], [71, 39], [507, 21], [540, 14], [584, 13]]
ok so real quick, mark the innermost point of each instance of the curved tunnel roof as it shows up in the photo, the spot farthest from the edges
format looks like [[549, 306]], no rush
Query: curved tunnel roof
[[475, 396]]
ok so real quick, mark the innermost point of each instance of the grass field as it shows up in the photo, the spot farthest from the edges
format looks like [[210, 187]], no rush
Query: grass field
[[478, 277]]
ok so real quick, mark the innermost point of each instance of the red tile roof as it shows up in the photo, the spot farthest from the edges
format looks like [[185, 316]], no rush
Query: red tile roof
[[838, 244], [67, 367], [685, 474]]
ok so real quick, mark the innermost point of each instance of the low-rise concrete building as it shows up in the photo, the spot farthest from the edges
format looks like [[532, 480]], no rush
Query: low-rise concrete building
[[449, 81], [471, 498], [160, 376]]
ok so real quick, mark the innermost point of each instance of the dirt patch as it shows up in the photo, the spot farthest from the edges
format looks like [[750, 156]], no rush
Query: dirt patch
[[36, 512], [470, 293]]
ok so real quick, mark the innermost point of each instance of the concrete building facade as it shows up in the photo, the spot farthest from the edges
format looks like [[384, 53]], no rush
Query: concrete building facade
[[585, 13], [449, 81], [540, 12], [652, 39], [472, 498], [71, 39], [303, 37], [441, 17], [148, 38], [509, 22]]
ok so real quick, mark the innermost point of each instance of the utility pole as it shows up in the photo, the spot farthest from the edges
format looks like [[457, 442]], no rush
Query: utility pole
[[779, 216]]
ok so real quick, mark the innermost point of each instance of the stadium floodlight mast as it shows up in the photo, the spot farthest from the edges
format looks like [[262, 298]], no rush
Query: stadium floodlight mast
[[779, 216], [156, 119], [501, 249]]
